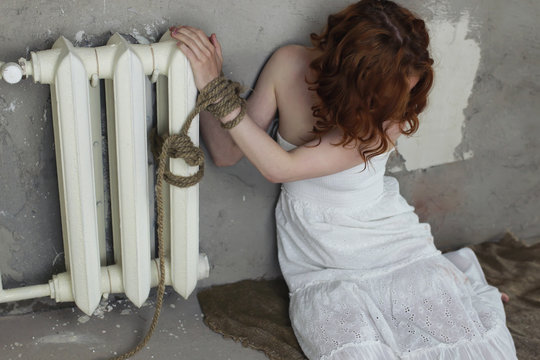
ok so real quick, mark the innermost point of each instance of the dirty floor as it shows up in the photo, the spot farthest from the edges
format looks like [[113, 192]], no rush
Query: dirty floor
[[116, 327]]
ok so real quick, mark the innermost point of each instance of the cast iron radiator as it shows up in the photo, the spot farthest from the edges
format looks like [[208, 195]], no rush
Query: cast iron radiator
[[74, 75]]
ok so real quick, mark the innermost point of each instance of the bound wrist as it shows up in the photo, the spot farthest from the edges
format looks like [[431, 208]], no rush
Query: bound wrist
[[222, 99], [230, 116]]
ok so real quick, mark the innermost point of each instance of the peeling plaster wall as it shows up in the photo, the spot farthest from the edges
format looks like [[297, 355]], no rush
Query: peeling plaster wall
[[471, 185], [456, 60], [498, 189]]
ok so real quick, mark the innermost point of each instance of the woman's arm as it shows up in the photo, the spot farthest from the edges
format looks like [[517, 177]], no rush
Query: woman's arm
[[311, 160], [261, 107], [269, 158], [218, 141]]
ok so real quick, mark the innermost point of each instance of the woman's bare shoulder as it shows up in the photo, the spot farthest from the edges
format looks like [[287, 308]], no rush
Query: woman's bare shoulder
[[291, 52], [289, 60]]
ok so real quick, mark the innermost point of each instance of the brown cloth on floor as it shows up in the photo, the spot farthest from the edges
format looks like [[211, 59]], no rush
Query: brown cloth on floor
[[514, 268], [255, 312]]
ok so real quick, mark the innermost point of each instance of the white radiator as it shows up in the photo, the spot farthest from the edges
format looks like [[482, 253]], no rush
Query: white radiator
[[74, 76]]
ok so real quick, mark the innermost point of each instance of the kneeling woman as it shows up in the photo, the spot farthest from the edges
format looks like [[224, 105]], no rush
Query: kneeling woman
[[365, 279]]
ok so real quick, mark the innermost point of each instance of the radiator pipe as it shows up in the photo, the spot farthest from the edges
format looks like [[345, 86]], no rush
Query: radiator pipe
[[59, 288], [98, 61]]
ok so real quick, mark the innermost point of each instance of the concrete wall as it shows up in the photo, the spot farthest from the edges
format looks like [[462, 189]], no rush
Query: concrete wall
[[474, 183]]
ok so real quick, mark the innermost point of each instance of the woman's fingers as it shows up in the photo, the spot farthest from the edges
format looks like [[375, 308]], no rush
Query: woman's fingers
[[211, 44], [203, 44], [187, 51], [204, 40], [217, 45], [199, 52]]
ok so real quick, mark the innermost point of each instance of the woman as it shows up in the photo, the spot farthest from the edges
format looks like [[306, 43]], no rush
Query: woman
[[365, 279]]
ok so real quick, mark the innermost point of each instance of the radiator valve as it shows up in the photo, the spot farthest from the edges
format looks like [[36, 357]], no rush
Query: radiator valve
[[11, 72]]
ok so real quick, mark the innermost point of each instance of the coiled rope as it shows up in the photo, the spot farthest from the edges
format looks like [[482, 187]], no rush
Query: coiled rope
[[220, 97]]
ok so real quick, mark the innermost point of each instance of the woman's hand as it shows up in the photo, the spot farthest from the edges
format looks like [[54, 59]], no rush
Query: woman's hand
[[203, 53]]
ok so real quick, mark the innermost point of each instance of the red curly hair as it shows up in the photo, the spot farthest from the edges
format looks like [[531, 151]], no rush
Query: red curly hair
[[368, 52]]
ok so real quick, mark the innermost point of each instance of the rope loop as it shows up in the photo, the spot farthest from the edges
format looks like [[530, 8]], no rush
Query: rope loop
[[181, 146], [220, 97]]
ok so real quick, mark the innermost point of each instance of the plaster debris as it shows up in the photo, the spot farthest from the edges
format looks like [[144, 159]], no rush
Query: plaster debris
[[12, 106], [79, 36], [150, 30], [102, 309], [456, 61], [140, 39], [83, 319]]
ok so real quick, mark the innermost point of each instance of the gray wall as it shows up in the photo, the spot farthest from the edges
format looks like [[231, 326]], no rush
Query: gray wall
[[465, 201]]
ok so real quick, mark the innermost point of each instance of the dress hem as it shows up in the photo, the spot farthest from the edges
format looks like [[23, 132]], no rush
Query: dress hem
[[497, 338]]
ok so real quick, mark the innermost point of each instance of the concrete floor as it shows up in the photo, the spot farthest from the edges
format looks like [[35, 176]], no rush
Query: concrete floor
[[115, 327]]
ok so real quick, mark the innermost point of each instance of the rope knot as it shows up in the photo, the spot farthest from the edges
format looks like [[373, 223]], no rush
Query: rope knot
[[181, 146]]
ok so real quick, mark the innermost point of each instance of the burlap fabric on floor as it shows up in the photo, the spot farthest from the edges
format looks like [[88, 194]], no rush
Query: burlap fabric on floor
[[255, 312]]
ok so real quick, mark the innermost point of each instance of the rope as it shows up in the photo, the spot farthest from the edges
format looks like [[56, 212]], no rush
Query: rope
[[220, 97]]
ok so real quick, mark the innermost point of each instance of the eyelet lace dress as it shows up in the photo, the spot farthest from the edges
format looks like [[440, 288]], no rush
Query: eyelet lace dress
[[366, 281]]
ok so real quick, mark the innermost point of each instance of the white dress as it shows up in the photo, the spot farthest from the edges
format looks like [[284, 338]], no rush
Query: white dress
[[366, 281]]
